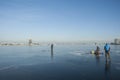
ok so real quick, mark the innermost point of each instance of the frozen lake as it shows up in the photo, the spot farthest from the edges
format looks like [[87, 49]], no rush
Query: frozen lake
[[67, 62]]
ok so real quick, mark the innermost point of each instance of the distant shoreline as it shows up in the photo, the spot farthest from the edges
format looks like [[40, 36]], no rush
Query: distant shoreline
[[114, 44], [42, 44]]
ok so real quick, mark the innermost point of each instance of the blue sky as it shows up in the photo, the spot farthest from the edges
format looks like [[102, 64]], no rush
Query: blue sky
[[59, 20]]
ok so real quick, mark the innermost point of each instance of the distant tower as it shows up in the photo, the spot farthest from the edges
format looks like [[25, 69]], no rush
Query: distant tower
[[30, 42], [116, 41]]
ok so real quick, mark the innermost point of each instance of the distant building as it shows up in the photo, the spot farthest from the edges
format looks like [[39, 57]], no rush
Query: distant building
[[117, 41], [30, 42]]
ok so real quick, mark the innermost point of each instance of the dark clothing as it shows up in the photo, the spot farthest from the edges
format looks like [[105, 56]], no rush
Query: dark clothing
[[97, 52], [106, 52]]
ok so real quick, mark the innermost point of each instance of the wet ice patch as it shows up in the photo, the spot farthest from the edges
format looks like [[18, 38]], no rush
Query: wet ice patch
[[117, 51], [118, 68], [77, 53], [117, 54], [118, 63], [7, 67]]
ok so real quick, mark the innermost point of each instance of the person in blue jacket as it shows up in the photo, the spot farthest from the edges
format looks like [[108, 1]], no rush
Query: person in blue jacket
[[107, 51]]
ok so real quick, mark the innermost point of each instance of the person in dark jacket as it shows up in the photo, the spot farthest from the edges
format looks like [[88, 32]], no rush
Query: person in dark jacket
[[97, 51]]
